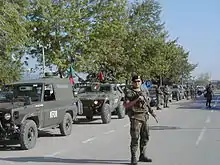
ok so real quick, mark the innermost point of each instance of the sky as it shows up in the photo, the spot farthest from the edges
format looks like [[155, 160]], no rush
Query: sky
[[197, 25]]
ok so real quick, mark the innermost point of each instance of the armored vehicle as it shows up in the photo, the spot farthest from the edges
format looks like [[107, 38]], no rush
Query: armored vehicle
[[101, 99], [36, 105]]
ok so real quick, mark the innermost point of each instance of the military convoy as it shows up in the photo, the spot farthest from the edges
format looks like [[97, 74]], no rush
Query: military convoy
[[31, 106], [37, 105]]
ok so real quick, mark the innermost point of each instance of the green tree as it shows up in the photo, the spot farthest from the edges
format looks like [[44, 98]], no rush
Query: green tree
[[203, 79], [59, 26], [144, 30], [105, 45], [13, 36]]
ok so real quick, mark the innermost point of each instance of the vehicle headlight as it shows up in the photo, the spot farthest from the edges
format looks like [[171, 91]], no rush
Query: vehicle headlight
[[7, 116], [96, 102]]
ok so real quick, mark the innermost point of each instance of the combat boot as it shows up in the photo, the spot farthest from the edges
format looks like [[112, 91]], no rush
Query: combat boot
[[143, 158], [134, 160]]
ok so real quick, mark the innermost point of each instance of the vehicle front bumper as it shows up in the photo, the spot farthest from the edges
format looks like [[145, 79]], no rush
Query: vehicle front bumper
[[8, 132]]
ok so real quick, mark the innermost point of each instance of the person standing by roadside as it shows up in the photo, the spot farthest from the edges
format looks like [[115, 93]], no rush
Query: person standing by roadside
[[209, 94], [159, 95], [166, 93]]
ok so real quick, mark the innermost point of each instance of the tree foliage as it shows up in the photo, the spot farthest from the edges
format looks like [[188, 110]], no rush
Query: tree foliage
[[203, 79], [13, 37], [116, 36]]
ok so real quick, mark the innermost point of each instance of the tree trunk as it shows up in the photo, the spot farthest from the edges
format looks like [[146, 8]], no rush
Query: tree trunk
[[60, 73], [161, 80]]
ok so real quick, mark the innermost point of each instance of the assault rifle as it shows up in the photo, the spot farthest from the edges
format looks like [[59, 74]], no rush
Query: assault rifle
[[146, 105]]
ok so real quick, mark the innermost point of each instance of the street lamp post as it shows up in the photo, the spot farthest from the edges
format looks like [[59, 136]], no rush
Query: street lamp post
[[43, 60]]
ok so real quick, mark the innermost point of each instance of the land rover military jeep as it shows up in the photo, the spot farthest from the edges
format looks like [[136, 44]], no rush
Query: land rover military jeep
[[27, 107], [101, 99]]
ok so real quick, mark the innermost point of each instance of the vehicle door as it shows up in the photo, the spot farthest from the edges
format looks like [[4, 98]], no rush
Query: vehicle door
[[51, 108], [116, 95]]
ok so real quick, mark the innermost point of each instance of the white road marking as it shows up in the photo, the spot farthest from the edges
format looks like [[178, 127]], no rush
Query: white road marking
[[212, 110], [208, 119], [200, 136], [126, 125], [111, 131], [88, 140]]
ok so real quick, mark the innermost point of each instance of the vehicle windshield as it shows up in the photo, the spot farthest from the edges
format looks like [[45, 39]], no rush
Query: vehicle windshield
[[34, 91], [96, 88], [6, 97]]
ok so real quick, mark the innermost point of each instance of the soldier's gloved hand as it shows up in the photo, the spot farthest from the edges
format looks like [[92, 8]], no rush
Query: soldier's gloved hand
[[141, 98]]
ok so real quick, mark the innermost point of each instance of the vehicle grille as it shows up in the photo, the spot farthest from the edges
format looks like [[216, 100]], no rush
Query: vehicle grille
[[87, 102]]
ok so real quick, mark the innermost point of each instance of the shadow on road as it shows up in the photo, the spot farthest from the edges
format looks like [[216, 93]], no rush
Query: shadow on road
[[180, 128], [60, 160], [10, 148], [48, 134], [199, 107], [95, 121], [164, 128]]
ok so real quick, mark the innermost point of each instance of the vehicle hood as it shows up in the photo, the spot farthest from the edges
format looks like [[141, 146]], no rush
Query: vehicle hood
[[93, 96], [8, 106]]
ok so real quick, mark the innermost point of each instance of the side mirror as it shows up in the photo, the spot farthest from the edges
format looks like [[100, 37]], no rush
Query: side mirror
[[27, 101]]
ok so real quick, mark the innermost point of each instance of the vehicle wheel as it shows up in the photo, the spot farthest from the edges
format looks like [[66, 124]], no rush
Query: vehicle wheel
[[177, 98], [29, 134], [66, 125], [106, 114], [121, 111]]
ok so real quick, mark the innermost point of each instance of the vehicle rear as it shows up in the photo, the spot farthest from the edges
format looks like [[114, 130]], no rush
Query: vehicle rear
[[176, 93]]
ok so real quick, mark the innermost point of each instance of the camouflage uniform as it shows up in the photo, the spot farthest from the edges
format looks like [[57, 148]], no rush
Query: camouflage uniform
[[159, 95], [192, 92], [209, 94], [138, 125], [166, 96], [187, 92]]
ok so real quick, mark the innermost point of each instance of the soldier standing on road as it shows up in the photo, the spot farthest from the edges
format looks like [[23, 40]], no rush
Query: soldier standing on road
[[138, 115], [209, 95], [187, 91], [192, 92], [159, 95], [166, 93]]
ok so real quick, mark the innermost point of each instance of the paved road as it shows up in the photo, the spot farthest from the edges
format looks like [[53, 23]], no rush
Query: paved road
[[188, 134]]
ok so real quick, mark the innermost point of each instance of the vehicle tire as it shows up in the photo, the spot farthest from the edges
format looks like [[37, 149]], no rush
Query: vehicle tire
[[177, 98], [121, 111], [28, 135], [66, 125], [106, 114]]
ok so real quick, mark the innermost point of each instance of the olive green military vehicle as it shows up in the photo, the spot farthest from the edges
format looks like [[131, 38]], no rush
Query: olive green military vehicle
[[101, 99], [36, 105]]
